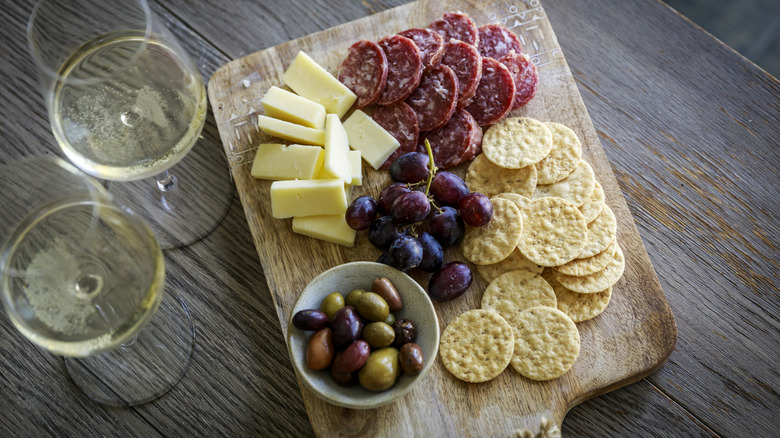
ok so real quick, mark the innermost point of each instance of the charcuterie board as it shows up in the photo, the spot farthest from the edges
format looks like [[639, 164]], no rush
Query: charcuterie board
[[630, 340]]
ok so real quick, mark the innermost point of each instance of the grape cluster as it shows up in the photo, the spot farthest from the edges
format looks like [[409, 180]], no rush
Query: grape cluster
[[421, 197]]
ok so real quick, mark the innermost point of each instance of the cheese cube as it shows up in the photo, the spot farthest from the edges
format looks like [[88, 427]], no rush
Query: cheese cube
[[357, 168], [291, 131], [308, 197], [290, 107], [310, 80], [336, 163], [277, 161], [365, 135], [330, 228]]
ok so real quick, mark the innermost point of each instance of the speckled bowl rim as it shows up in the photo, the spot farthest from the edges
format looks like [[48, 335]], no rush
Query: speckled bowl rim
[[424, 315]]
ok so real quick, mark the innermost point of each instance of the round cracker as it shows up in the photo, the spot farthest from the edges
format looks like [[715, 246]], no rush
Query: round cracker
[[554, 232], [517, 198], [517, 142], [593, 205], [485, 177], [579, 307], [514, 262], [590, 265], [601, 232], [597, 282], [564, 155], [546, 343], [515, 291], [477, 345], [496, 240], [575, 188]]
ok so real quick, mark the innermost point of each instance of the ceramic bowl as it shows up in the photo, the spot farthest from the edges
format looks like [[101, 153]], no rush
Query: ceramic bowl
[[344, 278]]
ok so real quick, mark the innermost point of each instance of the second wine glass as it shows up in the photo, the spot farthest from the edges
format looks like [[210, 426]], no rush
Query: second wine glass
[[126, 104]]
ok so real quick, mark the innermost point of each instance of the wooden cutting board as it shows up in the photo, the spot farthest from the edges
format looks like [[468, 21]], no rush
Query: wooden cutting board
[[630, 340]]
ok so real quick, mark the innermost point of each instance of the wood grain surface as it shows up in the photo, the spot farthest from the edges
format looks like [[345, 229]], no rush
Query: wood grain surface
[[689, 127], [631, 339]]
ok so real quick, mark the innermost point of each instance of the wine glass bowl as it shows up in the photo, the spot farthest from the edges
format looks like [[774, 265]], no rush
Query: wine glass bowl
[[125, 104], [83, 277]]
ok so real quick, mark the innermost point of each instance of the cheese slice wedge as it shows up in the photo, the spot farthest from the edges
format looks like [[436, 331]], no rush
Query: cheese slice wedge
[[284, 105], [308, 197], [336, 163], [291, 131], [310, 80], [356, 163], [276, 161], [365, 135], [330, 228]]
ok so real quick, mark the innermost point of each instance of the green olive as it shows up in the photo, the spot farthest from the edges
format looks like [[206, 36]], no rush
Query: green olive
[[381, 370], [372, 306], [390, 319], [378, 334], [332, 303], [352, 297]]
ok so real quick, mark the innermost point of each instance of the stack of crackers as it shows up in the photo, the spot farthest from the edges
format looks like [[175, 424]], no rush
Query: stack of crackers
[[550, 255]]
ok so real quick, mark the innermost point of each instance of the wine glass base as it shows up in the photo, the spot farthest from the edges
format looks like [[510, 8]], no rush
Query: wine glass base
[[193, 208], [146, 367]]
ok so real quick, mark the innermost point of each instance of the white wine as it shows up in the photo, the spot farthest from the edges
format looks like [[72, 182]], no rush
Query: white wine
[[81, 277], [126, 107]]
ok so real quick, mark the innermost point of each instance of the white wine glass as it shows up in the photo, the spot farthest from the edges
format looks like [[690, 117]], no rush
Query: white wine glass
[[126, 104], [84, 278]]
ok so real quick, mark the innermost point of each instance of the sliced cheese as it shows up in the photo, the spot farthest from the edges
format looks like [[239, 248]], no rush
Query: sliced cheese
[[336, 163], [290, 107], [291, 131], [365, 135], [310, 80], [278, 162], [330, 228], [308, 197], [355, 163]]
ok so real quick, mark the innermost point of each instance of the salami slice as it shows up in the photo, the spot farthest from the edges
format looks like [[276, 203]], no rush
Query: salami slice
[[404, 68], [436, 98], [465, 61], [495, 41], [400, 120], [495, 93], [456, 25], [525, 75], [452, 143], [430, 43], [364, 71]]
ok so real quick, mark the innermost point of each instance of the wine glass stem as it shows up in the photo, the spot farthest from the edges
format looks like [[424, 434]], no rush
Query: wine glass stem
[[166, 181]]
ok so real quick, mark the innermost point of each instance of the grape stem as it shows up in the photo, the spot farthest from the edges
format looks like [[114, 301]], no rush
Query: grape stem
[[431, 168]]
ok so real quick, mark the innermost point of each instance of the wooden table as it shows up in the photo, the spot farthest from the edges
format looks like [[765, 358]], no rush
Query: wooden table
[[690, 127]]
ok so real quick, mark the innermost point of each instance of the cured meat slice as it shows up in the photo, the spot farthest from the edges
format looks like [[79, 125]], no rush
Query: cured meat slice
[[436, 98], [400, 120], [430, 43], [496, 41], [453, 143], [465, 61], [525, 75], [456, 25], [495, 93], [364, 71], [404, 68]]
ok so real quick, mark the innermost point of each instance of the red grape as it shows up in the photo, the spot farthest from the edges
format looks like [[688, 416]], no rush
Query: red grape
[[433, 255], [388, 195], [447, 226], [405, 253], [450, 282], [447, 188], [410, 168], [383, 232], [475, 209], [361, 212], [410, 208]]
